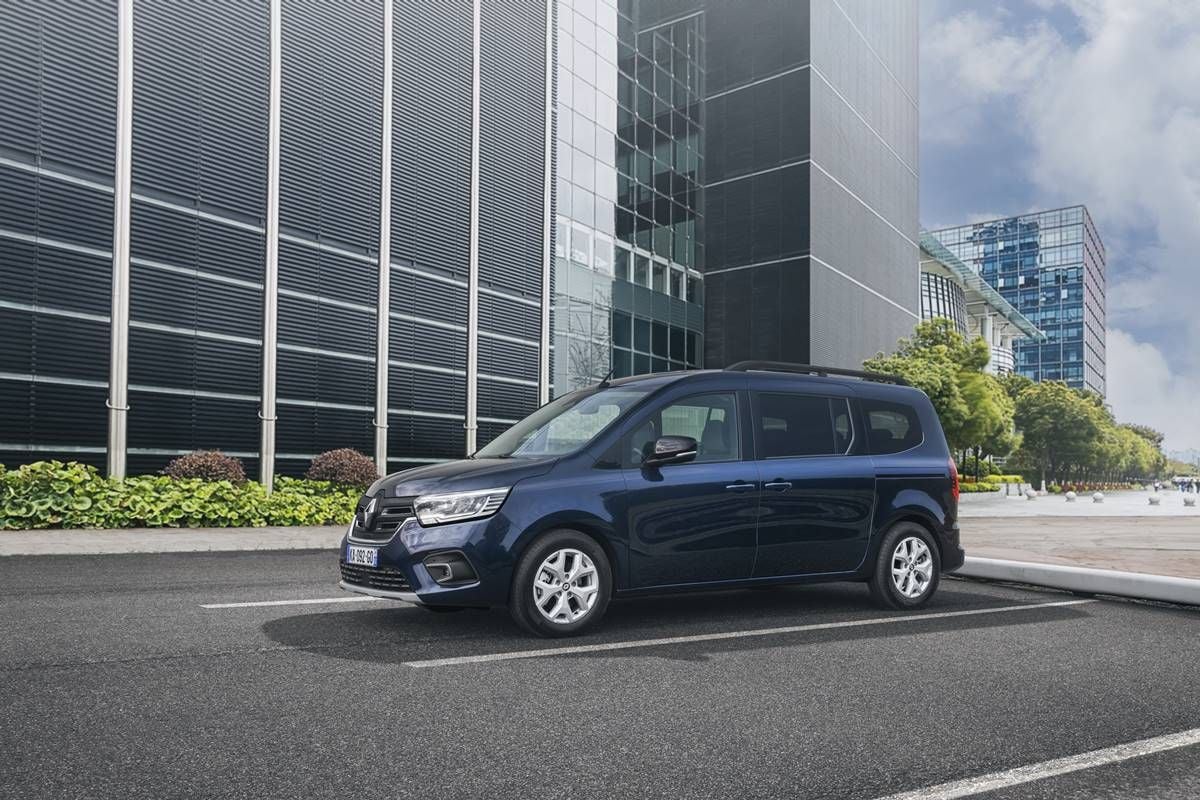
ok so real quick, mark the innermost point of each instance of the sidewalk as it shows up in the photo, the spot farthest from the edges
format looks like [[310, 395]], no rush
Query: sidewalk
[[1158, 545], [167, 540]]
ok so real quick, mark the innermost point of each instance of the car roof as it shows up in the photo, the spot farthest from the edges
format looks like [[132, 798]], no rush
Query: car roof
[[866, 388]]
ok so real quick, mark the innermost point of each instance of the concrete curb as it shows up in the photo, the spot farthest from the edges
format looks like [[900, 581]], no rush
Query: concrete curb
[[167, 540], [1085, 579]]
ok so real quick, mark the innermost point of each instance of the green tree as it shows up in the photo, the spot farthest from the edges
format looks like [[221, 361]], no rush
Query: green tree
[[1059, 428], [974, 408]]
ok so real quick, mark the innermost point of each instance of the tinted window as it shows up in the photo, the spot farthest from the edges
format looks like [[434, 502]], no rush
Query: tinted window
[[891, 427], [710, 419], [798, 425]]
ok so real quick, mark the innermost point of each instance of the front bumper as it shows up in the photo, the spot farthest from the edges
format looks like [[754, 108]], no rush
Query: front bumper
[[407, 597], [401, 573]]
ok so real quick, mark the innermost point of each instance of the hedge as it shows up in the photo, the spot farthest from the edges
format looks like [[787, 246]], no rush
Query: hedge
[[53, 494]]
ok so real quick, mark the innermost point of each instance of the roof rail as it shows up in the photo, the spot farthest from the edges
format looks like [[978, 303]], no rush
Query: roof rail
[[809, 369]]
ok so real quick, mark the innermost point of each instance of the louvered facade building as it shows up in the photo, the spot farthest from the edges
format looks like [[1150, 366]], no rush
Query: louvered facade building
[[275, 152], [279, 227]]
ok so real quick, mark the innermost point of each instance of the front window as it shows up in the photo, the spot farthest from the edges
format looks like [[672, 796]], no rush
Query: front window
[[566, 425]]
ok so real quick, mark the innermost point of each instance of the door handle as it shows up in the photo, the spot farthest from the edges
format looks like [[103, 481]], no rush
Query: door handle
[[779, 486], [741, 487]]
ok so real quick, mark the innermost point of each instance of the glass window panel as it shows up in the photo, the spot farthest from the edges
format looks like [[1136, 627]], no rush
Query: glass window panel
[[641, 334]]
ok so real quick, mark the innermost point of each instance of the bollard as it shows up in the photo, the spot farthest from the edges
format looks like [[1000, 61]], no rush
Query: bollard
[[1031, 493], [1154, 499], [1190, 502], [1098, 497], [1071, 497]]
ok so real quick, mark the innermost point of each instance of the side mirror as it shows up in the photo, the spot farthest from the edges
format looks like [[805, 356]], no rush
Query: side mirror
[[670, 450]]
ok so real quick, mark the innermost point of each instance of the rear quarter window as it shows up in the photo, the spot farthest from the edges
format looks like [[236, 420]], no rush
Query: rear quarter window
[[891, 427]]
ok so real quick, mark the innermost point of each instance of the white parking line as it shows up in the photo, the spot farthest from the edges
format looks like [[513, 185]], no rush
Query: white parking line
[[357, 598], [709, 637], [1048, 769]]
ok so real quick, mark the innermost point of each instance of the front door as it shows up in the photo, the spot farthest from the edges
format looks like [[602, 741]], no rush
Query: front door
[[693, 522], [817, 501]]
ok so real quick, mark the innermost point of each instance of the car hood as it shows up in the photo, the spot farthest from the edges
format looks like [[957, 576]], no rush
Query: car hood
[[460, 476]]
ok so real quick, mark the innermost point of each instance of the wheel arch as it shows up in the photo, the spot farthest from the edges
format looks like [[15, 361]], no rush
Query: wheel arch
[[592, 527]]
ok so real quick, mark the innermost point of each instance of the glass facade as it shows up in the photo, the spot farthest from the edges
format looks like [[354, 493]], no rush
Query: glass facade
[[628, 155], [1050, 265], [942, 296]]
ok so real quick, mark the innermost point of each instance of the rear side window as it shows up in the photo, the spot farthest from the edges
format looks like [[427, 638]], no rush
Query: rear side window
[[891, 427], [791, 425]]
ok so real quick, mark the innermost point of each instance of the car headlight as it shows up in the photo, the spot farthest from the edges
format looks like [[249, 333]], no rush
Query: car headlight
[[436, 509]]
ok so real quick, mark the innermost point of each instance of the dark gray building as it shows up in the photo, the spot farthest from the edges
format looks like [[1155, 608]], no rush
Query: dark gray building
[[810, 210], [196, 200]]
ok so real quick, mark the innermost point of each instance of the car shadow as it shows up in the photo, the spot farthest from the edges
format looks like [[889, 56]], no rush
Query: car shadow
[[402, 633]]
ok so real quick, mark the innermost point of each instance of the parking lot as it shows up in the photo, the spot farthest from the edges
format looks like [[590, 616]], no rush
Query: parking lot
[[149, 676]]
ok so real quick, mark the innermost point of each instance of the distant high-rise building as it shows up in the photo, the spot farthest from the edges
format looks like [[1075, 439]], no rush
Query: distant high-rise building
[[952, 290], [1051, 266]]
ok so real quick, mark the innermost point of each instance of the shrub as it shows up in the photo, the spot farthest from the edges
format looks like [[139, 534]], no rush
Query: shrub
[[51, 494], [207, 465], [344, 467], [976, 488]]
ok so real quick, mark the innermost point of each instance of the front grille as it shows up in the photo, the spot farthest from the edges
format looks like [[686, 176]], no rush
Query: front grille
[[390, 513], [387, 579]]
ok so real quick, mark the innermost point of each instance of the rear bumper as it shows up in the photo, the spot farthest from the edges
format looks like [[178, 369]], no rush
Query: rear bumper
[[952, 552]]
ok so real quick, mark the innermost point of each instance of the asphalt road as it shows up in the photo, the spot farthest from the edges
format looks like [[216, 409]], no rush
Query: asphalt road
[[116, 682]]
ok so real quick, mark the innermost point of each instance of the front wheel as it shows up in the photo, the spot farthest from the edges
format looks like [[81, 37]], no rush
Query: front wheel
[[561, 585], [907, 569]]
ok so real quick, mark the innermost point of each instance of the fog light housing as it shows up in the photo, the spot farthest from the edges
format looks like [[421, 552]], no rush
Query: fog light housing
[[449, 568]]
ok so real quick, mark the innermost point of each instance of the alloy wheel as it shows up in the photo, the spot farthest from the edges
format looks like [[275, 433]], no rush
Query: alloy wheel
[[912, 567], [565, 586]]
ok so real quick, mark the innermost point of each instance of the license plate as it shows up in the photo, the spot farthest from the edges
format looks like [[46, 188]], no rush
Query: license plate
[[366, 556]]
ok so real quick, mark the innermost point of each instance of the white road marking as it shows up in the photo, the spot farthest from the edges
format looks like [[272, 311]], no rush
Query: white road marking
[[356, 598], [1048, 769], [709, 637]]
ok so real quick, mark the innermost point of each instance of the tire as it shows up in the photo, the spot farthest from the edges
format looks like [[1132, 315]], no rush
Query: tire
[[550, 562], [919, 581]]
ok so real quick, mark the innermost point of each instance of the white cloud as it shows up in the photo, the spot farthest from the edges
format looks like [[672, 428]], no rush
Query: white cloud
[[1115, 124], [972, 59], [1109, 114], [1150, 393]]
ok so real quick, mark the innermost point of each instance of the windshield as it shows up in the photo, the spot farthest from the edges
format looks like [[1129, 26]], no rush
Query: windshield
[[565, 425]]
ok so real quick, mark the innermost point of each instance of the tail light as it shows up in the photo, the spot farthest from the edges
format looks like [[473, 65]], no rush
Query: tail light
[[953, 480]]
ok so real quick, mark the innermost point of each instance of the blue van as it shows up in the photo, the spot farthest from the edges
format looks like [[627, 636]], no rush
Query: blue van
[[760, 473]]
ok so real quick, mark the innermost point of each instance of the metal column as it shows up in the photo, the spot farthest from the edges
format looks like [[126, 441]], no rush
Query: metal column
[[118, 365], [271, 271], [472, 410], [547, 222], [383, 299]]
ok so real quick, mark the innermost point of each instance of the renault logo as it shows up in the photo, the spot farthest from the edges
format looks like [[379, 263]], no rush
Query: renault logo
[[368, 513]]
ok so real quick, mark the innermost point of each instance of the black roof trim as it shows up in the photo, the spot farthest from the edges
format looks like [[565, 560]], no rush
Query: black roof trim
[[810, 369]]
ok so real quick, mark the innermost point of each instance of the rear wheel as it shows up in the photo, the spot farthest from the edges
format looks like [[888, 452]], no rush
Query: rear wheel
[[908, 568], [561, 585]]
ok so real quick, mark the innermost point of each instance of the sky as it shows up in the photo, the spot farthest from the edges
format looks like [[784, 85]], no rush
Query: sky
[[1031, 104]]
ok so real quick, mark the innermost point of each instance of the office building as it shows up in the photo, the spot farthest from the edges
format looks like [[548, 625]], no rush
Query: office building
[[277, 227], [1051, 266], [952, 290], [810, 210]]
